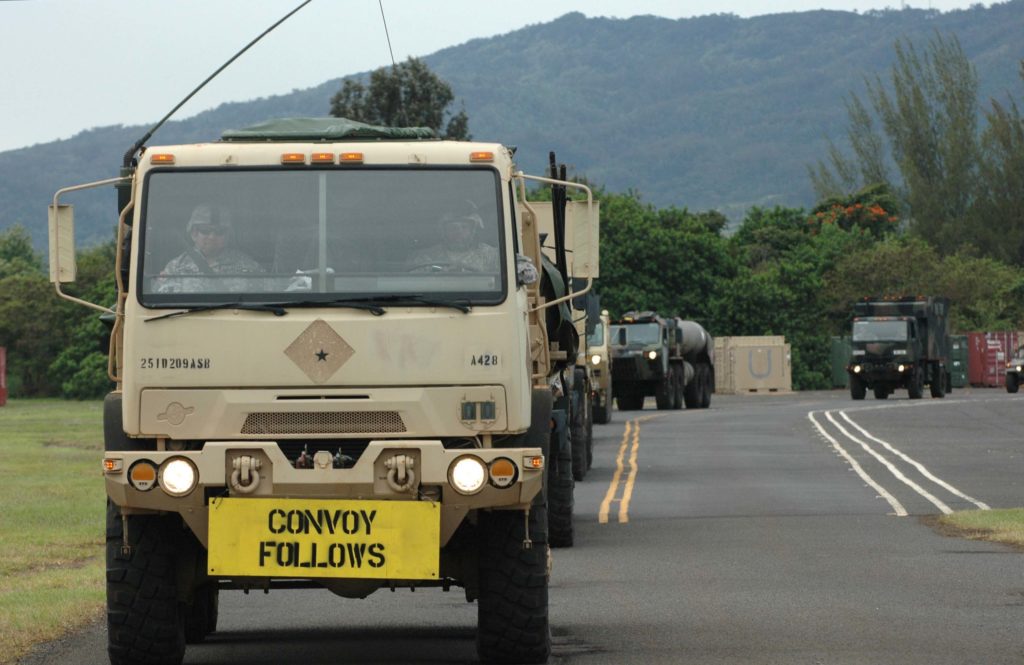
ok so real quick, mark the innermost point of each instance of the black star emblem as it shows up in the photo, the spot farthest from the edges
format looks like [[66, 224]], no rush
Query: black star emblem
[[321, 356]]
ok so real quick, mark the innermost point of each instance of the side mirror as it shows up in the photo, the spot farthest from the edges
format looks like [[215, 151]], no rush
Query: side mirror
[[526, 272], [621, 337], [62, 244]]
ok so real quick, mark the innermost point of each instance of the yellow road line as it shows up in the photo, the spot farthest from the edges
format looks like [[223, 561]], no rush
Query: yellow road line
[[602, 515], [627, 493]]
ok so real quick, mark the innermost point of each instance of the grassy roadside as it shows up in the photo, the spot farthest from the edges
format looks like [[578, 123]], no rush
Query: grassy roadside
[[51, 521], [999, 526]]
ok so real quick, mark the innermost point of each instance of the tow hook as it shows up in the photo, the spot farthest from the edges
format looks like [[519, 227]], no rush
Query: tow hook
[[527, 543], [245, 477], [401, 476]]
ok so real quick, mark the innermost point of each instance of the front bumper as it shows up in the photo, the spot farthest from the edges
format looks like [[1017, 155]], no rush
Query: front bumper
[[268, 473]]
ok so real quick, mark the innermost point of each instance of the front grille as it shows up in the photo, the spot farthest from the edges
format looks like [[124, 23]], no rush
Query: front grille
[[624, 368], [324, 422]]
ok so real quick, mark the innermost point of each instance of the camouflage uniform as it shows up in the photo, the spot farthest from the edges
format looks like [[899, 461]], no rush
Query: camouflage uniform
[[229, 261], [481, 258]]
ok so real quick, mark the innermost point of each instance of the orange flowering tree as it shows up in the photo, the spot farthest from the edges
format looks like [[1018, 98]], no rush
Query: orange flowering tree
[[872, 211]]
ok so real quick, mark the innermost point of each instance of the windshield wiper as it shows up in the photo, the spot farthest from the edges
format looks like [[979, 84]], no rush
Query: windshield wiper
[[369, 304], [420, 299], [276, 310]]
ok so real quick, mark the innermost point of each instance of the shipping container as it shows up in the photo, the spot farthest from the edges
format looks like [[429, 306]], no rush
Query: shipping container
[[752, 365], [987, 356], [840, 358]]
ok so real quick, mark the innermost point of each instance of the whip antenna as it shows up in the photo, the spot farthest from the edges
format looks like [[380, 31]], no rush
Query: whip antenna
[[394, 67], [128, 156]]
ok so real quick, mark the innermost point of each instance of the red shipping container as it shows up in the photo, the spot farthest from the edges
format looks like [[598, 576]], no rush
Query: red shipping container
[[988, 353]]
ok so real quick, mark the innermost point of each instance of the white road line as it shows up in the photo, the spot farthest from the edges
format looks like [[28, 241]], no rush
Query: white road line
[[889, 465], [920, 467], [896, 505]]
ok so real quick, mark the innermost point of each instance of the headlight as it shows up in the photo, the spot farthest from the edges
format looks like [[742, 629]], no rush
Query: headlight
[[856, 369], [1018, 368], [596, 359], [467, 475], [653, 355], [178, 476], [901, 367]]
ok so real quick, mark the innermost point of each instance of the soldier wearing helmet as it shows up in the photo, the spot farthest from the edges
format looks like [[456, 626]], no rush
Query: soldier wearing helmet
[[209, 230], [459, 248]]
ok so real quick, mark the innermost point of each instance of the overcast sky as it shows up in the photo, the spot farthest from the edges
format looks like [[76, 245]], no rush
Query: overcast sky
[[69, 65]]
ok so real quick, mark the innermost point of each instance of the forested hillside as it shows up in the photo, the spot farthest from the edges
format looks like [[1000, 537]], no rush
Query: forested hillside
[[716, 112]]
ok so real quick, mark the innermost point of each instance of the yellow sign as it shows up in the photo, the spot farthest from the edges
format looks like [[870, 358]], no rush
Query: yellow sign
[[397, 540]]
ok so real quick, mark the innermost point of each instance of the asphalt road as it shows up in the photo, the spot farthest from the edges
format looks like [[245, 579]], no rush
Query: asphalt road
[[767, 529]]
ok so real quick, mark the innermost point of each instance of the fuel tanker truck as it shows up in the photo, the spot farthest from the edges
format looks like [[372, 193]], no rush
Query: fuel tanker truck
[[669, 358]]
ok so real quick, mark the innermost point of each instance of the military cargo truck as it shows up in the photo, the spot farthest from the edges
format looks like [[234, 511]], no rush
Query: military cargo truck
[[599, 355], [669, 358], [334, 349], [900, 342]]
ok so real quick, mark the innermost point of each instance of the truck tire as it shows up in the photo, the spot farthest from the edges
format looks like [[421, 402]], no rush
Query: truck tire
[[691, 393], [578, 437], [201, 613], [677, 390], [590, 433], [145, 621], [706, 386], [937, 386], [1012, 383], [881, 392], [663, 394], [857, 388], [915, 389], [560, 486], [512, 609]]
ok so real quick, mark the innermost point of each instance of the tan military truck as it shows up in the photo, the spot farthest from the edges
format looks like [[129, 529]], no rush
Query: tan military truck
[[599, 357], [332, 355]]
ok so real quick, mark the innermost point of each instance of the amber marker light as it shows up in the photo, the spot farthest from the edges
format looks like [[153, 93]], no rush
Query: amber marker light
[[161, 158], [112, 465], [293, 158], [351, 158], [534, 462], [323, 158], [142, 475], [481, 156], [503, 473]]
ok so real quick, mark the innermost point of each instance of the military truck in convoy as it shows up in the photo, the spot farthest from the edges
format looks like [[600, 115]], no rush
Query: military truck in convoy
[[354, 392], [900, 342], [599, 356], [667, 357]]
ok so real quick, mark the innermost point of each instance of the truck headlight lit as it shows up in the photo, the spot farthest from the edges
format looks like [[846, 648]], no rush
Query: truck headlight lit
[[857, 369], [1018, 368], [653, 355], [178, 476], [596, 359], [467, 474], [902, 367]]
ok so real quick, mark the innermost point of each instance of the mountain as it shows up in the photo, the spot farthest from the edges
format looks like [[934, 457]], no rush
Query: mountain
[[716, 112]]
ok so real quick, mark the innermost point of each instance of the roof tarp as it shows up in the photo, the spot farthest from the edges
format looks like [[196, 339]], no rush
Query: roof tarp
[[324, 129]]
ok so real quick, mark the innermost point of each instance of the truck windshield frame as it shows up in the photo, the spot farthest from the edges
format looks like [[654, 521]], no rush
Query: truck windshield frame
[[639, 333], [881, 331], [303, 236]]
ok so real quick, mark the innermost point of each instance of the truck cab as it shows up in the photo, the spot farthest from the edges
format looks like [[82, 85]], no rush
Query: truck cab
[[353, 392], [599, 357]]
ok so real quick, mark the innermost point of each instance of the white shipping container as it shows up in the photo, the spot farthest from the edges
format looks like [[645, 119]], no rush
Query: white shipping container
[[757, 365]]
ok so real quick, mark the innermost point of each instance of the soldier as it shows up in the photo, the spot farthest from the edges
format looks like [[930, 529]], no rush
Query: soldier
[[459, 249], [209, 228]]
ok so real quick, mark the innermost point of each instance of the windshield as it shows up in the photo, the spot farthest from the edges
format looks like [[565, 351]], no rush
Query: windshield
[[302, 236], [638, 333], [879, 331], [596, 338]]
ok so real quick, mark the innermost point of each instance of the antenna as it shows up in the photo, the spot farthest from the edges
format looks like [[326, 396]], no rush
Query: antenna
[[394, 67], [130, 155]]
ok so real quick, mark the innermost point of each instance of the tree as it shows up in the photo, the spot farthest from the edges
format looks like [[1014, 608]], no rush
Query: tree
[[406, 95], [929, 115], [17, 255]]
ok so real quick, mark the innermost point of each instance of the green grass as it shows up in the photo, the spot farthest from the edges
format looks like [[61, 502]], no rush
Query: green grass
[[999, 526], [52, 503]]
